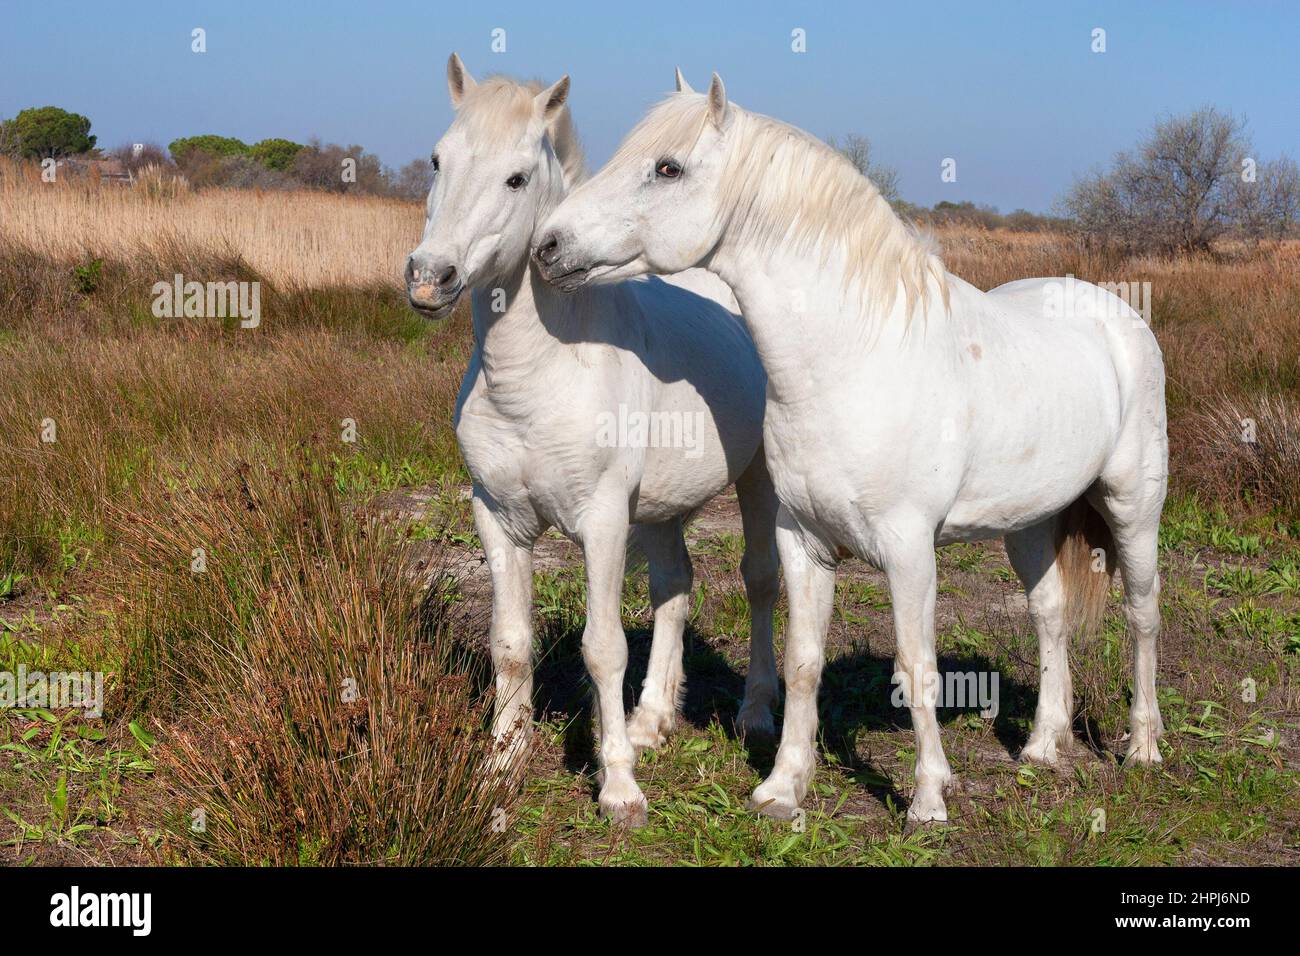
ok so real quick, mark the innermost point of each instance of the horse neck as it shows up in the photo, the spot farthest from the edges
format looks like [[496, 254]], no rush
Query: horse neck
[[519, 321], [810, 327]]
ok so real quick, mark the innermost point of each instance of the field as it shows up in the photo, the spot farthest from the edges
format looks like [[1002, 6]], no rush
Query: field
[[260, 537]]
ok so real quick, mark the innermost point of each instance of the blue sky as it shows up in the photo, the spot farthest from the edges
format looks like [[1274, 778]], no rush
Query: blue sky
[[1012, 91]]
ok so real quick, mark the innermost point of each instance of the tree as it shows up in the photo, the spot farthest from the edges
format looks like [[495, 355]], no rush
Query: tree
[[47, 131], [277, 154], [8, 138], [857, 150], [1190, 182], [338, 169], [1267, 204], [413, 180], [185, 148]]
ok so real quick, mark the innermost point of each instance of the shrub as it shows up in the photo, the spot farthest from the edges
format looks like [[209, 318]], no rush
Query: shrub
[[322, 166], [150, 154]]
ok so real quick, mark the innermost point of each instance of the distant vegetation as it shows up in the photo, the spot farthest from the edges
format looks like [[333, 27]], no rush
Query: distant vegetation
[[208, 160], [857, 150], [44, 132], [1192, 180], [283, 164]]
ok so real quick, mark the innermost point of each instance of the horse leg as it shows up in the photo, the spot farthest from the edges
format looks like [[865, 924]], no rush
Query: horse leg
[[760, 569], [1032, 552], [510, 636], [670, 595], [909, 564], [604, 649], [1134, 520], [810, 584]]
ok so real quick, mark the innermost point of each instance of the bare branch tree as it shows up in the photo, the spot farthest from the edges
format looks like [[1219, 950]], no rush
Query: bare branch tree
[[857, 150], [1184, 187]]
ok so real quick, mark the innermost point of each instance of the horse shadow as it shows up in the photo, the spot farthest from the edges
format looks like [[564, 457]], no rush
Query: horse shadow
[[857, 695]]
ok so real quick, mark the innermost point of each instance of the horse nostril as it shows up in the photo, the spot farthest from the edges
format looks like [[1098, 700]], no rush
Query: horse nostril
[[448, 276], [412, 273], [549, 249]]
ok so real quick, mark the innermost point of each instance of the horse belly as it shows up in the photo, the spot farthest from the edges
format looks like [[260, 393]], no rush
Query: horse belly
[[686, 464], [1037, 447]]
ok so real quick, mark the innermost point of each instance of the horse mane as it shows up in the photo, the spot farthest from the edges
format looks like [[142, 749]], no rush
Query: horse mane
[[782, 187], [498, 105]]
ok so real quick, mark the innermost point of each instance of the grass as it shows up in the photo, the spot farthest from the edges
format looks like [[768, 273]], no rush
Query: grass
[[127, 442], [1226, 792]]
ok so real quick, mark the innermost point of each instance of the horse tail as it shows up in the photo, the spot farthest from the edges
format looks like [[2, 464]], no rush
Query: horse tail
[[1085, 559]]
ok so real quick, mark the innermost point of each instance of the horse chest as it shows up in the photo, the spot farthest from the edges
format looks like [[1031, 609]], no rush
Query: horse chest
[[531, 456]]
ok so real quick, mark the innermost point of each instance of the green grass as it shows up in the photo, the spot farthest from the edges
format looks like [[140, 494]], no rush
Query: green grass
[[1224, 792]]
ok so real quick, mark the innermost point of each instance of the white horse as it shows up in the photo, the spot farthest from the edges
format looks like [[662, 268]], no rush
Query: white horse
[[905, 408], [632, 403]]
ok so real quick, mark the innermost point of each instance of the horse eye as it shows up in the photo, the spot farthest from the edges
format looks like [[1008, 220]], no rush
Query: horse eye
[[668, 169], [433, 160], [517, 181]]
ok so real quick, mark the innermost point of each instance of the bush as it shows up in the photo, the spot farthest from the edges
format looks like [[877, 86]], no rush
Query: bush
[[238, 172], [150, 154], [413, 180]]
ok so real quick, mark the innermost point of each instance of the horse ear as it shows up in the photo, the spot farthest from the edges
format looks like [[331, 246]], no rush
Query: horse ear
[[548, 103], [717, 101], [459, 82], [682, 85]]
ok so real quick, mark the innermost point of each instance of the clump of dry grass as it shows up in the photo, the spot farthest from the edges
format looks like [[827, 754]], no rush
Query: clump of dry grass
[[293, 238], [1248, 447], [159, 184], [322, 709]]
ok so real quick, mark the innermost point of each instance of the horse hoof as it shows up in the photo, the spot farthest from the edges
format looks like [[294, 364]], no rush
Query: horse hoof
[[648, 730], [778, 807], [1042, 752], [631, 815], [927, 812], [756, 723], [1143, 754]]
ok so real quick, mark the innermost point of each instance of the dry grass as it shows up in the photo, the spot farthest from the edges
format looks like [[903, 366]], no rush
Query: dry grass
[[293, 238], [324, 711]]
